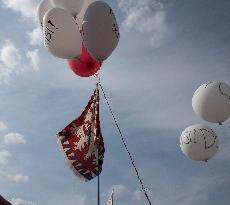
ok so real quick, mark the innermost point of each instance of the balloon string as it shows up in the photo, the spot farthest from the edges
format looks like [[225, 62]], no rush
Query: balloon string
[[223, 131], [227, 128], [124, 143]]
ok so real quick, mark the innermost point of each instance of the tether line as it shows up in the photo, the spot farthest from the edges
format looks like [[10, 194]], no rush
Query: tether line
[[125, 145]]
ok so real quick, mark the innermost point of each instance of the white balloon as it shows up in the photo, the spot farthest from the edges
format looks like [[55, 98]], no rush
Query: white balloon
[[211, 102], [42, 8], [85, 5], [100, 31], [199, 142], [72, 6], [61, 34]]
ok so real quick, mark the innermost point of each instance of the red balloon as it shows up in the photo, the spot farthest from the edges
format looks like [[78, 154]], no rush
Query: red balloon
[[86, 66]]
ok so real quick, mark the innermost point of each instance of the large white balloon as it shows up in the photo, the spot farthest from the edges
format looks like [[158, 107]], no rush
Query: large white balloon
[[199, 142], [72, 6], [100, 31], [85, 5], [61, 34], [42, 8], [211, 102]]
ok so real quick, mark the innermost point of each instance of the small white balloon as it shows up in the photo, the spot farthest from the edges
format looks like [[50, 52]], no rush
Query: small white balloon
[[72, 6], [199, 142], [211, 102], [61, 34], [100, 31], [42, 8]]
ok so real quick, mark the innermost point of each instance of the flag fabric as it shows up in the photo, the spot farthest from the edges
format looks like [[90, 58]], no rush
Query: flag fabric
[[82, 142], [110, 200]]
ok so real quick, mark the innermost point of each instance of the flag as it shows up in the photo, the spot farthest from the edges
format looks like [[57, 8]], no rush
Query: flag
[[110, 200], [82, 142]]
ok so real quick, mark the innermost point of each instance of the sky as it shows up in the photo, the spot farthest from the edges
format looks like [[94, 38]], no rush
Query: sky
[[166, 51]]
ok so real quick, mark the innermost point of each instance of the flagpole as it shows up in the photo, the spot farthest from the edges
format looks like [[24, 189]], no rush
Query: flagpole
[[98, 187], [98, 179], [112, 197]]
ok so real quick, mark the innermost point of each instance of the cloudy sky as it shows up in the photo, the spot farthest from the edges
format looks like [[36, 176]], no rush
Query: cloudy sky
[[166, 51]]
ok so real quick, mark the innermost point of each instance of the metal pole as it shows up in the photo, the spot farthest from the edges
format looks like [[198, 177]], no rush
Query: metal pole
[[98, 179], [98, 187]]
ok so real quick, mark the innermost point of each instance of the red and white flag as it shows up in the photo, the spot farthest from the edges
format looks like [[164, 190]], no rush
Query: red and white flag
[[82, 142], [110, 200]]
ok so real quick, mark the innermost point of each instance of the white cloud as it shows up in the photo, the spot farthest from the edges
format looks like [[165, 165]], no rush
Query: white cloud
[[4, 156], [120, 190], [33, 56], [9, 55], [145, 16], [18, 178], [18, 201], [35, 37], [13, 138], [9, 60], [4, 75], [3, 126], [26, 8], [137, 195], [81, 199]]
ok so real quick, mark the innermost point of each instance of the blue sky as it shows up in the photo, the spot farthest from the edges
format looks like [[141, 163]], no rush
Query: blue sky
[[166, 51]]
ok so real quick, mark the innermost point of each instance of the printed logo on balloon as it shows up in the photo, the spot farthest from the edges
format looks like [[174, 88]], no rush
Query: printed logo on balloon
[[199, 142], [49, 32]]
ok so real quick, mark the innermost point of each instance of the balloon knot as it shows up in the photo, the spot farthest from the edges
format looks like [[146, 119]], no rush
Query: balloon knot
[[89, 64]]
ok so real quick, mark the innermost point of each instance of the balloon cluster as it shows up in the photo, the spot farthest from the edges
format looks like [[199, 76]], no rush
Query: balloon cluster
[[211, 102], [85, 32]]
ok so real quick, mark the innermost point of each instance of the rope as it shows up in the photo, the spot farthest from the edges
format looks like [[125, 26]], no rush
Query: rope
[[125, 145]]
